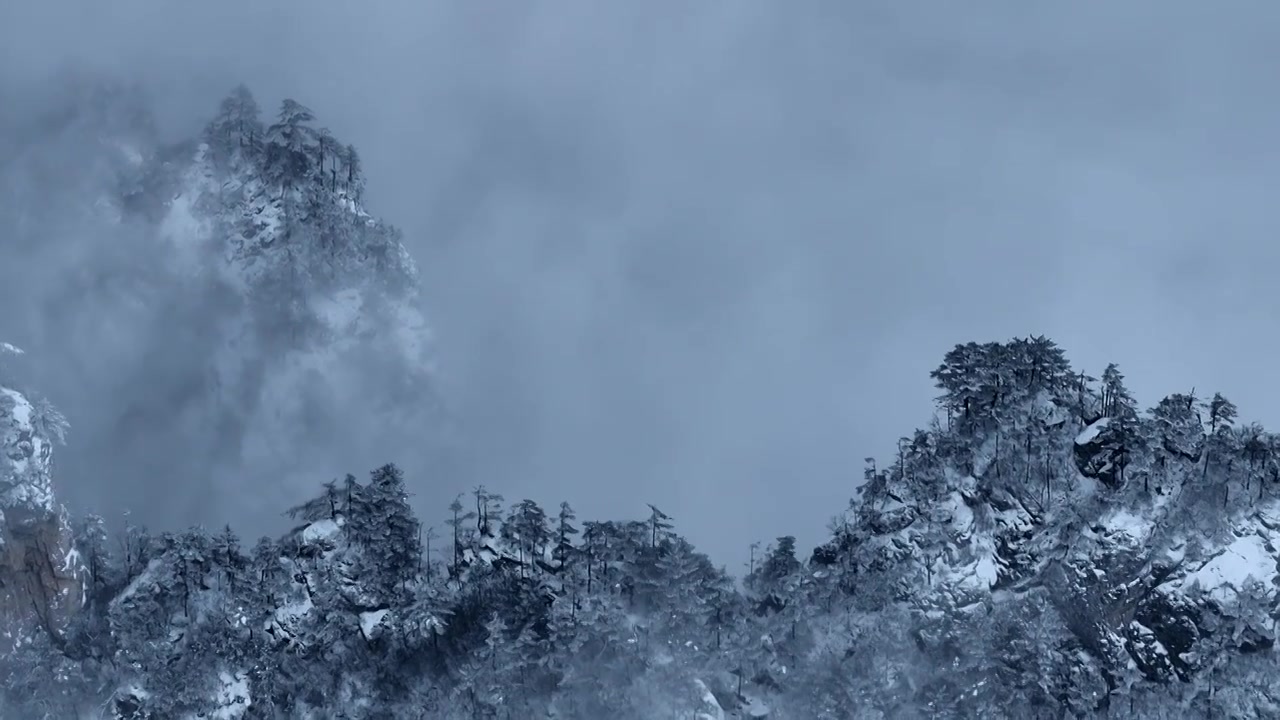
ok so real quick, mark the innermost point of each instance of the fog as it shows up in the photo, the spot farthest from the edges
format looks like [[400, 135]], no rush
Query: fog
[[705, 257]]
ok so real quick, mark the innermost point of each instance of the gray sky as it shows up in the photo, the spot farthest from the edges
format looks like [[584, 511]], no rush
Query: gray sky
[[705, 254]]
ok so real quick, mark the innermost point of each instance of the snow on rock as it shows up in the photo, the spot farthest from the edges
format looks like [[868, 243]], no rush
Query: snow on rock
[[25, 456], [755, 708], [985, 570], [1123, 522], [369, 621], [1090, 433], [1225, 575], [41, 573], [709, 708], [321, 531], [232, 697], [287, 614]]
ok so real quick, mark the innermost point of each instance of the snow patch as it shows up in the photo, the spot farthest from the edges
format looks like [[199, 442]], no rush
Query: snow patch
[[756, 708], [21, 409], [143, 577], [1224, 576], [321, 530], [370, 621], [710, 709], [1090, 433], [986, 571], [961, 514], [24, 455], [1124, 522], [232, 698]]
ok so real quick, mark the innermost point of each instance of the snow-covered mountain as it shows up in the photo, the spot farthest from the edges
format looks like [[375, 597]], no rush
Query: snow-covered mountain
[[208, 308], [1053, 549], [1042, 548], [326, 300]]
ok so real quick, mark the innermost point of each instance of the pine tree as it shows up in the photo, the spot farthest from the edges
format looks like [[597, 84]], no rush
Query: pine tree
[[658, 525], [1222, 412], [1116, 400], [382, 525], [265, 566], [564, 549], [457, 524], [1256, 449], [526, 528], [191, 551], [226, 556], [488, 510], [237, 127], [328, 151], [355, 174], [91, 541], [288, 140], [780, 565]]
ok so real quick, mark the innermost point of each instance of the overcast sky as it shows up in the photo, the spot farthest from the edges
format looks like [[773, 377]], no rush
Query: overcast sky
[[705, 254]]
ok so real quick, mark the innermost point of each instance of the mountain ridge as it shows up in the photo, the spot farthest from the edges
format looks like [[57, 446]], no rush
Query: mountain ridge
[[1044, 549]]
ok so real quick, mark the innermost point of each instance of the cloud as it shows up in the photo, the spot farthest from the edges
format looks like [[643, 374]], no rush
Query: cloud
[[706, 256]]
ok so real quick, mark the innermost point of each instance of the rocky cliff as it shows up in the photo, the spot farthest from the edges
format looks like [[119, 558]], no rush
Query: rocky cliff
[[41, 574]]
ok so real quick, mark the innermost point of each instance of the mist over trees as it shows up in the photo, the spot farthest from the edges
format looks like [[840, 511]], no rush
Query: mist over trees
[[197, 320], [1041, 548], [1030, 558]]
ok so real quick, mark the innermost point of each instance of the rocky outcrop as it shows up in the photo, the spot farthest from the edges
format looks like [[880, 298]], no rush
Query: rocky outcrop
[[1095, 455], [40, 570]]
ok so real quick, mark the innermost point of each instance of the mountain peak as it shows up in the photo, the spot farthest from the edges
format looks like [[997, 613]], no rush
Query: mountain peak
[[28, 432], [40, 572], [279, 203]]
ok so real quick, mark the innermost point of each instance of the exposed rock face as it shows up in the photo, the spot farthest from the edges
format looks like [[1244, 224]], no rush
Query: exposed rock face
[[40, 571], [1095, 454]]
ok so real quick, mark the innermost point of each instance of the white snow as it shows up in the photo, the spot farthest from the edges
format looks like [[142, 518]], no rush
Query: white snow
[[1087, 435], [321, 530], [143, 577], [71, 560], [961, 514], [1126, 522], [24, 454], [21, 411], [985, 571], [371, 620], [710, 709], [1224, 576], [756, 708], [1148, 637], [232, 698]]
